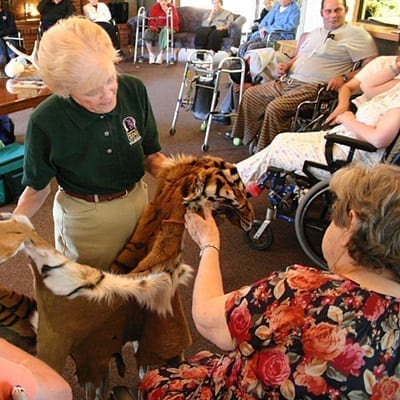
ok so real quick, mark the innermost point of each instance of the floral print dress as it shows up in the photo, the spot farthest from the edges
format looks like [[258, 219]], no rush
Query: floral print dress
[[300, 334]]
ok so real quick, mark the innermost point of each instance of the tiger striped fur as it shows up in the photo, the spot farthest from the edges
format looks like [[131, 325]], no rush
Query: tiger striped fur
[[18, 319], [83, 312], [185, 182]]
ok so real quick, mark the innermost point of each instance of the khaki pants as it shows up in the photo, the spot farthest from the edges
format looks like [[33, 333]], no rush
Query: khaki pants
[[94, 233]]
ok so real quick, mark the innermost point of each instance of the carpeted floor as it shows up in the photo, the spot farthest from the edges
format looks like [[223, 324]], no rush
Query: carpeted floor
[[240, 264]]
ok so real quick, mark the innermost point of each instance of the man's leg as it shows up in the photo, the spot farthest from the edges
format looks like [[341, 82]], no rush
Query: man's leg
[[280, 111], [252, 109], [215, 39], [3, 52]]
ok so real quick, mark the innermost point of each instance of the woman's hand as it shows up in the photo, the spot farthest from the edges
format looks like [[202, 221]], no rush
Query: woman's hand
[[332, 118], [202, 230], [345, 118]]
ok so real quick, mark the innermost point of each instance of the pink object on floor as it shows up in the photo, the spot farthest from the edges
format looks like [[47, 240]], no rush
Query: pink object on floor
[[254, 189]]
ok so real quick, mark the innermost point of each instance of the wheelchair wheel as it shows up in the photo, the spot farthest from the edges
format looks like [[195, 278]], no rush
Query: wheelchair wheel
[[312, 219], [264, 241]]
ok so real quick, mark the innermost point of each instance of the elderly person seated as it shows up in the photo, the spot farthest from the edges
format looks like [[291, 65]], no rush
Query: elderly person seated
[[302, 332], [283, 19], [99, 13], [159, 29], [214, 28], [8, 29], [326, 57]]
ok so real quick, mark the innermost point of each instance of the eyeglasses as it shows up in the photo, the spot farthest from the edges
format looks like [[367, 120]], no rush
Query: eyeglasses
[[338, 10]]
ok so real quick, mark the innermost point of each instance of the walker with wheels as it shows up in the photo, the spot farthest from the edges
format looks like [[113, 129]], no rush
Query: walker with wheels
[[199, 89]]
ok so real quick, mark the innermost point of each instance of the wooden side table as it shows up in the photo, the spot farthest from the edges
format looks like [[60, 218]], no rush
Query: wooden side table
[[20, 99]]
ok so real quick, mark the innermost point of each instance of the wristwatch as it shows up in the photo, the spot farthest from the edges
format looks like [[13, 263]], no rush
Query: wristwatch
[[345, 78]]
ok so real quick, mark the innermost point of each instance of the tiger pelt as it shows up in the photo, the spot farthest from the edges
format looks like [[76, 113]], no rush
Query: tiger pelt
[[185, 182]]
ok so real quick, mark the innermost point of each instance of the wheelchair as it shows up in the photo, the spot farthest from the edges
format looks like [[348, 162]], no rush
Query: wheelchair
[[306, 201], [310, 114]]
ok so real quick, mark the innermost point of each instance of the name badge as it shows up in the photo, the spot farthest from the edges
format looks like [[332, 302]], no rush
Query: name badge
[[131, 130]]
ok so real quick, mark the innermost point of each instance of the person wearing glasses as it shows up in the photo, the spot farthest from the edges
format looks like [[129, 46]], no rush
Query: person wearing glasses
[[325, 57]]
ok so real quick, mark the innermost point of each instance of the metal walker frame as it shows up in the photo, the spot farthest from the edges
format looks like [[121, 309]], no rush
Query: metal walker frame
[[199, 69], [141, 25]]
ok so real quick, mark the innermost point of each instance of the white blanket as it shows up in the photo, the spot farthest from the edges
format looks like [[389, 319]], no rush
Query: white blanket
[[263, 61]]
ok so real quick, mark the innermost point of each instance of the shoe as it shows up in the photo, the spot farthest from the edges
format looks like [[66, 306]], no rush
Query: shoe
[[221, 119], [159, 59], [152, 58], [234, 50]]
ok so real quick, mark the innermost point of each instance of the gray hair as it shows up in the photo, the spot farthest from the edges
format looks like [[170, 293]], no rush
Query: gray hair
[[374, 195]]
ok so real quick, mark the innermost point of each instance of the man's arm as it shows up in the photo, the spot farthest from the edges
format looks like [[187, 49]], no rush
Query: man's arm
[[337, 82]]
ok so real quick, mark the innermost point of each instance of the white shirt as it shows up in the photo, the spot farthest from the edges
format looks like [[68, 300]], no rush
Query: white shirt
[[101, 14]]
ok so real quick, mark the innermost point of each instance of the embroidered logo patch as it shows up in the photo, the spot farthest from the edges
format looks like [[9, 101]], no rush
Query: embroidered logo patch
[[131, 130]]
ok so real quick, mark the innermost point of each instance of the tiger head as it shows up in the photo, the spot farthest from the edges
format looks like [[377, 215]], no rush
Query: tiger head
[[214, 180]]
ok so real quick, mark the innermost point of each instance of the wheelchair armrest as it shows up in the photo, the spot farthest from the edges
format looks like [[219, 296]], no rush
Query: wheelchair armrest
[[278, 34], [353, 144], [333, 165], [350, 142]]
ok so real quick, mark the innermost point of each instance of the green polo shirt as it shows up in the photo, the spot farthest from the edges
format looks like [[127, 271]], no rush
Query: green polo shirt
[[91, 153]]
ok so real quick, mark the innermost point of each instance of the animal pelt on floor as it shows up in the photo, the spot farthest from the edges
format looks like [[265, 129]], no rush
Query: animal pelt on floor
[[82, 311], [90, 314]]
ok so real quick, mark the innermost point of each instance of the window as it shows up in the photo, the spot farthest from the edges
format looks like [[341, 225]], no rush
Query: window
[[381, 11]]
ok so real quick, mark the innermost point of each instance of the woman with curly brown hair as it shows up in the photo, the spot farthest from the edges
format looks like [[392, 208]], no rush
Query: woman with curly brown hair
[[303, 333]]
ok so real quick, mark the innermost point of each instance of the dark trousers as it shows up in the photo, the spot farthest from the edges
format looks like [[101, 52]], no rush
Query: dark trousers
[[209, 38], [112, 31]]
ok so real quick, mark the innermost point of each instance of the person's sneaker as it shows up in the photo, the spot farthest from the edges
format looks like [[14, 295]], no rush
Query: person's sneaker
[[152, 58], [228, 135], [18, 393], [159, 59], [234, 50]]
